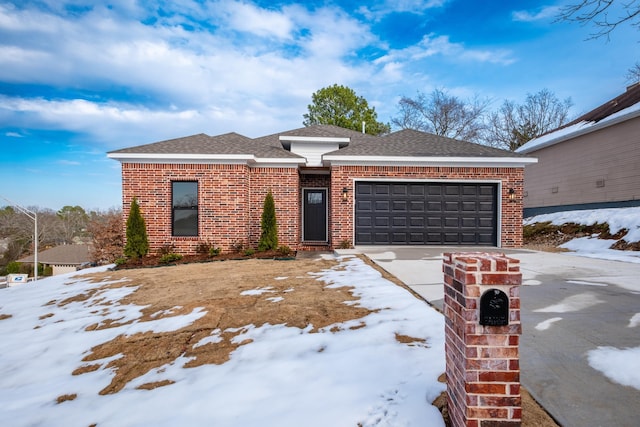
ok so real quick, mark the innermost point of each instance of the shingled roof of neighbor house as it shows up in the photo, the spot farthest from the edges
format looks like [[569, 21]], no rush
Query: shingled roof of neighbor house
[[404, 143], [62, 255], [621, 108]]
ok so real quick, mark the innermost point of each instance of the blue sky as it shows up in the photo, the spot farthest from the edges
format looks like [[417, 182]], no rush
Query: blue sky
[[80, 78]]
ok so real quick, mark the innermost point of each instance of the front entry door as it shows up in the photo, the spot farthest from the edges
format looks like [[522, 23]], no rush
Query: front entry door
[[314, 209]]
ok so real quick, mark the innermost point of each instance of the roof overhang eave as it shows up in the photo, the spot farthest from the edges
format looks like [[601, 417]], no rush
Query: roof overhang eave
[[503, 162], [201, 158], [583, 130]]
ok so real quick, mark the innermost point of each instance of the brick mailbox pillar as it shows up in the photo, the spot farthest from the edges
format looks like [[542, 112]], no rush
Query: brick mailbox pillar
[[482, 333]]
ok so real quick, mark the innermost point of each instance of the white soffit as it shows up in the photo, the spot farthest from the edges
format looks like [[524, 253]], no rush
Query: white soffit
[[316, 139], [502, 162], [202, 159]]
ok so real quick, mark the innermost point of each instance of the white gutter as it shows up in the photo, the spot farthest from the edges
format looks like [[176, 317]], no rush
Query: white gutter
[[200, 158], [337, 160]]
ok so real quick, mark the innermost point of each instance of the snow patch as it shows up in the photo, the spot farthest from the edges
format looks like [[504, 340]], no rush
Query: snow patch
[[573, 303], [619, 365], [635, 320], [543, 326], [582, 282], [259, 291]]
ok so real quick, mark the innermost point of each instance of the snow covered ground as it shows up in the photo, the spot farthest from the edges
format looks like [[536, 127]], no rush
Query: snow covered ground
[[592, 247], [285, 377], [621, 365]]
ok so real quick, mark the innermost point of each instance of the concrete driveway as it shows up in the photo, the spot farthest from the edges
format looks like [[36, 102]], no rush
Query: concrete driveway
[[570, 306]]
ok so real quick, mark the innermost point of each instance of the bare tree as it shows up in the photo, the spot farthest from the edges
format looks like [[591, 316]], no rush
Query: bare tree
[[442, 114], [633, 74], [106, 228], [606, 15], [17, 230], [513, 125]]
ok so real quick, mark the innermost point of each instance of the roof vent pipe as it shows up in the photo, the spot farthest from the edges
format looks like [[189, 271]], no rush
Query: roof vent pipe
[[363, 126]]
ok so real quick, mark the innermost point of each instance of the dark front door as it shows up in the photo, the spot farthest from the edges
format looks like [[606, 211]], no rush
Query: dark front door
[[314, 209]]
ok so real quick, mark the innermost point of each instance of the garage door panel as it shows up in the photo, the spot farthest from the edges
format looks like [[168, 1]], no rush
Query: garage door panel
[[364, 206], [451, 190], [382, 238], [468, 206], [381, 189], [486, 190], [485, 223], [426, 213], [451, 207], [364, 221], [416, 189], [416, 205], [381, 221], [416, 238], [399, 222], [468, 222], [399, 190], [381, 205], [399, 205], [434, 222]]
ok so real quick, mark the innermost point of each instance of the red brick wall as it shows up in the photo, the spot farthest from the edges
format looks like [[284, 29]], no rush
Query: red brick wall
[[482, 362], [231, 199], [222, 202], [343, 176], [284, 185], [229, 212]]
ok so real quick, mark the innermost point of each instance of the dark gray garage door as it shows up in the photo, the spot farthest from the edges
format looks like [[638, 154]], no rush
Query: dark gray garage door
[[416, 213]]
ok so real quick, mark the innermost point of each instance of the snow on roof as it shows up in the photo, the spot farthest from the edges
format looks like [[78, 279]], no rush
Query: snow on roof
[[589, 122]]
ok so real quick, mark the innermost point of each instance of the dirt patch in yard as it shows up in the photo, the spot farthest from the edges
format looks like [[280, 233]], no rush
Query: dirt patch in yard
[[234, 294]]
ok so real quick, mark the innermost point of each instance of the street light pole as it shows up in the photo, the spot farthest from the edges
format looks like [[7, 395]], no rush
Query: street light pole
[[34, 216]]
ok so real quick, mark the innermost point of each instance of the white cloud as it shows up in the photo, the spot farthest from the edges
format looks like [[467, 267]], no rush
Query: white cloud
[[432, 45], [252, 19], [378, 11], [201, 80], [528, 16]]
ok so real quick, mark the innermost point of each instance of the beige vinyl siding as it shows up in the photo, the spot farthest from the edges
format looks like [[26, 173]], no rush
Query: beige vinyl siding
[[569, 172]]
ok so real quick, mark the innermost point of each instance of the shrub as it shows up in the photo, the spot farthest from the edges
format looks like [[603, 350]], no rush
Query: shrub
[[269, 236], [237, 247], [120, 261], [249, 252], [284, 250], [213, 251], [137, 241], [345, 244], [170, 257], [204, 248], [13, 267], [165, 249]]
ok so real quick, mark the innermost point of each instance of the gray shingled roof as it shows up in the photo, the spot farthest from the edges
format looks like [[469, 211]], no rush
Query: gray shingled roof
[[413, 143], [405, 143], [62, 255], [202, 144]]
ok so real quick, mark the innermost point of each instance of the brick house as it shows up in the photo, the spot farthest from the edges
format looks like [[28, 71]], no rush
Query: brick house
[[331, 186]]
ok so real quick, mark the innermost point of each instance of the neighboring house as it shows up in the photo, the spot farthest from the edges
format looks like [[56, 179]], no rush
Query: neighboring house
[[62, 259], [332, 187], [592, 162]]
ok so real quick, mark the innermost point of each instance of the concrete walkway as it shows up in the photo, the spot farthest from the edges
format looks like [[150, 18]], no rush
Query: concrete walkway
[[570, 306]]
